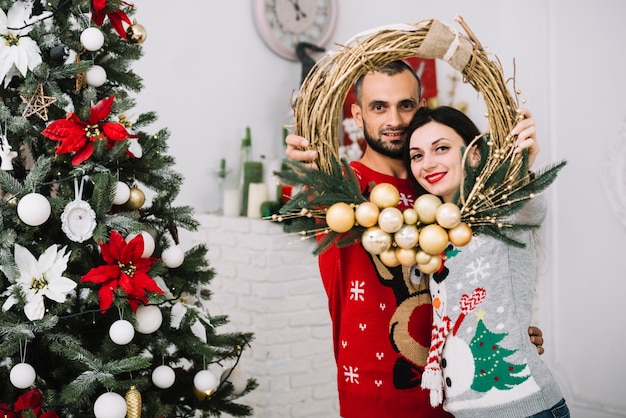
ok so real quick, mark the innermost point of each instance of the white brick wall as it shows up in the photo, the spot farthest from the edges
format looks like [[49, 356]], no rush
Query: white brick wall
[[268, 283]]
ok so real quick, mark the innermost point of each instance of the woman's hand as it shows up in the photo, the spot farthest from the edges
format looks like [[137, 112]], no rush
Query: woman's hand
[[526, 135]]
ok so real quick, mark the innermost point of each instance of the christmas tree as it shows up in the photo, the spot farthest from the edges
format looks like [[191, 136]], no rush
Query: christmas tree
[[102, 312], [492, 370]]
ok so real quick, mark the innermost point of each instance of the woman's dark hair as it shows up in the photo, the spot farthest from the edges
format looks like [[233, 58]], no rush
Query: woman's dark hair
[[445, 115]]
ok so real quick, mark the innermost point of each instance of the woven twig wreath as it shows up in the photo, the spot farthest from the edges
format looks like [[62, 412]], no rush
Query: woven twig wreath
[[318, 106]]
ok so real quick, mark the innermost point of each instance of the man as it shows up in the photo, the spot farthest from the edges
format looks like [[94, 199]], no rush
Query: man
[[381, 317]]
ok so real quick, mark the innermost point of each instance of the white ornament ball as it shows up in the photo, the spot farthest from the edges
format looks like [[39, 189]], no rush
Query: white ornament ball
[[390, 219], [163, 377], [122, 193], [204, 381], [22, 375], [34, 209], [121, 332], [173, 256], [375, 240], [110, 405], [92, 39], [149, 318], [237, 377], [148, 243], [407, 236], [96, 76]]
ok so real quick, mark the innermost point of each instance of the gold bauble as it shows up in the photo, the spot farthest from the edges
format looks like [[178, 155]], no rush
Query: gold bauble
[[410, 216], [432, 266], [385, 195], [460, 235], [390, 219], [366, 214], [406, 256], [10, 199], [340, 217], [448, 215], [136, 33], [422, 257], [426, 206], [202, 395], [433, 239], [375, 240], [388, 258], [136, 200], [133, 403], [407, 236]]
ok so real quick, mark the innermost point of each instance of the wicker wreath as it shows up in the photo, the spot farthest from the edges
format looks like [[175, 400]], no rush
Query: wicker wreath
[[490, 194], [318, 106]]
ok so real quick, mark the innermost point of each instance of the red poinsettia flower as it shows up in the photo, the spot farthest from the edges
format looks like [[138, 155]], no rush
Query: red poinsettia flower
[[26, 405], [125, 270], [77, 136], [116, 16]]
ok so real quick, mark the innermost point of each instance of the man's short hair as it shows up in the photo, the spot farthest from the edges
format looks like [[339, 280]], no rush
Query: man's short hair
[[392, 68]]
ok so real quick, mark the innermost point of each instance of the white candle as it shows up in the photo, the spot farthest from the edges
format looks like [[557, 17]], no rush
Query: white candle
[[231, 202], [257, 194], [269, 167]]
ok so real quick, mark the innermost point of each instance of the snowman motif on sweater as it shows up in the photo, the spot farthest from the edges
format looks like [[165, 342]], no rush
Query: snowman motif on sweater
[[469, 360]]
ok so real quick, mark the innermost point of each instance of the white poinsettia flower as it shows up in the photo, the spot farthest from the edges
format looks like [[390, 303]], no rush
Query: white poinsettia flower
[[184, 303], [39, 278], [17, 51]]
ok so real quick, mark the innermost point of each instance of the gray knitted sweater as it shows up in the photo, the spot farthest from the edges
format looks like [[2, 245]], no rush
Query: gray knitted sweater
[[488, 364]]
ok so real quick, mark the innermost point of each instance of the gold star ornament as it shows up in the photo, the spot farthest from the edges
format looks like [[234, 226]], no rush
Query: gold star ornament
[[37, 104]]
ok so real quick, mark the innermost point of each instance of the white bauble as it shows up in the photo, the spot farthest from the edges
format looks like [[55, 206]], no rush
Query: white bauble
[[390, 219], [163, 377], [148, 243], [22, 375], [96, 76], [407, 236], [173, 256], [92, 39], [122, 193], [149, 318], [121, 332], [237, 377], [34, 209], [204, 381], [110, 405]]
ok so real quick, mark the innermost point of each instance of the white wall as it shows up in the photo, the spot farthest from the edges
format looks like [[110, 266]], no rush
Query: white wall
[[208, 75]]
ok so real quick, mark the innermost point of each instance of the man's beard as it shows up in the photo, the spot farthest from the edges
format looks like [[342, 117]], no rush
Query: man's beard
[[391, 149]]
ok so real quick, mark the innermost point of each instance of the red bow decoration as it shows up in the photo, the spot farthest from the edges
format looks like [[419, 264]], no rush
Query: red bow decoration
[[125, 269], [116, 16], [26, 405], [78, 136]]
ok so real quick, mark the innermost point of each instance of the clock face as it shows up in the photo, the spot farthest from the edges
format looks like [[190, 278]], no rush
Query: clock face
[[284, 23]]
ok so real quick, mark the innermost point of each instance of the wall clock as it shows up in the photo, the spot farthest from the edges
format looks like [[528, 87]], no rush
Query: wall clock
[[282, 24]]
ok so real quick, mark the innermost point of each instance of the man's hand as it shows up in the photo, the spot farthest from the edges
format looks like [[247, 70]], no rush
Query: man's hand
[[296, 150], [536, 337]]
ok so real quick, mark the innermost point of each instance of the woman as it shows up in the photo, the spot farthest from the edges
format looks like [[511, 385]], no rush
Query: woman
[[482, 299]]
